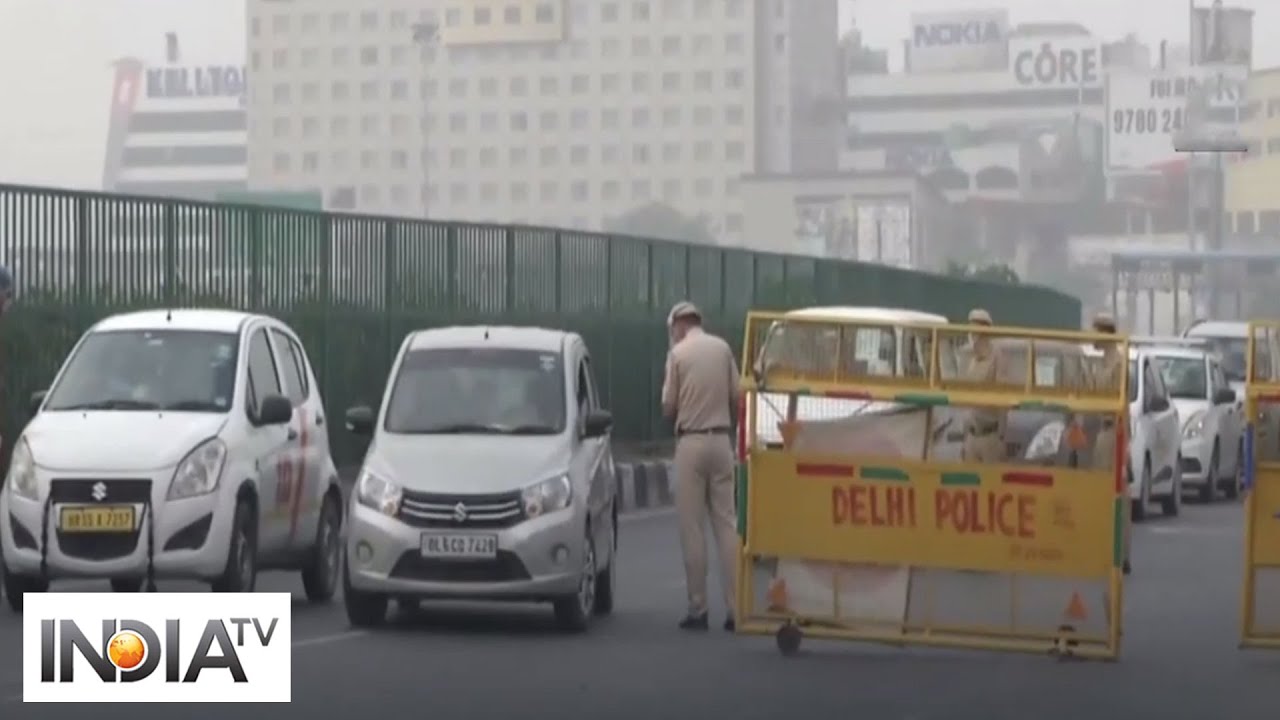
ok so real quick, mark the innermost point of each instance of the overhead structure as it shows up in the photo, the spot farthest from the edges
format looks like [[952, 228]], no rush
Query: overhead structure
[[1207, 277]]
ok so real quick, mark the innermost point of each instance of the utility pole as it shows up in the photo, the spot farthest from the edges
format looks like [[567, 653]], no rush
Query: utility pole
[[425, 35]]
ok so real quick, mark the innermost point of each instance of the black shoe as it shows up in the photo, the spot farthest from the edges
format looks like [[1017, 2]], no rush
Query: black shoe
[[730, 625], [694, 622]]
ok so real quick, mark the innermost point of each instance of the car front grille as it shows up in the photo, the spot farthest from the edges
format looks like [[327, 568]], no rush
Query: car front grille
[[433, 510], [90, 491], [506, 567]]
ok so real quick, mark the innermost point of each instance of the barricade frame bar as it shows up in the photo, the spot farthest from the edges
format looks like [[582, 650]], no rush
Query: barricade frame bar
[[1262, 386], [930, 391]]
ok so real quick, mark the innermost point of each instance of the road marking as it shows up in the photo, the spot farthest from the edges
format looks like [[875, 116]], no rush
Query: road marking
[[305, 642], [1184, 530]]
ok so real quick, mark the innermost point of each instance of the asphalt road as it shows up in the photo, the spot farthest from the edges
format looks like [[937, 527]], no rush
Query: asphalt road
[[1180, 659]]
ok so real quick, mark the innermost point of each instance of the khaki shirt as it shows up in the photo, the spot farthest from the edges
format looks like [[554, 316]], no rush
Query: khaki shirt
[[701, 382], [1105, 377], [985, 369]]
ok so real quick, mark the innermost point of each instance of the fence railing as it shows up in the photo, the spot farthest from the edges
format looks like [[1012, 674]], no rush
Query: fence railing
[[354, 285]]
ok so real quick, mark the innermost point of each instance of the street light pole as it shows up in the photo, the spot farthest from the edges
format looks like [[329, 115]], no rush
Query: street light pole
[[425, 35]]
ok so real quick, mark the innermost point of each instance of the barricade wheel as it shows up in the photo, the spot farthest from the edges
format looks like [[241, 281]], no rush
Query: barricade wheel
[[788, 639]]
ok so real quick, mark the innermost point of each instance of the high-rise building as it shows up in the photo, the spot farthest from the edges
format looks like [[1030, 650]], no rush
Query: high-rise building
[[561, 112], [177, 126]]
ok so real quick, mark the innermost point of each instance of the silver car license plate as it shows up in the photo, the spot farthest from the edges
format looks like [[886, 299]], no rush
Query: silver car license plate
[[461, 547]]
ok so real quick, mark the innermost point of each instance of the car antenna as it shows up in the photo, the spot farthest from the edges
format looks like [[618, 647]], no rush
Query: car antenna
[[168, 315], [486, 333]]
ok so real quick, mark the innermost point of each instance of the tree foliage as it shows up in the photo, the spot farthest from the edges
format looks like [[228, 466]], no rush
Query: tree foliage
[[994, 272], [657, 220]]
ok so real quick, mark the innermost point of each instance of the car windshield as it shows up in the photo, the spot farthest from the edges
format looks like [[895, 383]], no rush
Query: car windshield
[[1184, 377], [178, 370], [1232, 354], [478, 391], [1133, 380]]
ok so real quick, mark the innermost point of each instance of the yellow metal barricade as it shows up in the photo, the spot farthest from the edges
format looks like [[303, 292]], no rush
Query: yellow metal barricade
[[1260, 616], [867, 511]]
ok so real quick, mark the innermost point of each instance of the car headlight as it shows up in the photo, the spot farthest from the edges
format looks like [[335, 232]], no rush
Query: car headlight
[[22, 472], [1046, 441], [548, 496], [199, 472], [1195, 426], [379, 494]]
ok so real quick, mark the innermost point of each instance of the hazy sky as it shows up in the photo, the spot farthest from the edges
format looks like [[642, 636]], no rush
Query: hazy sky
[[56, 55]]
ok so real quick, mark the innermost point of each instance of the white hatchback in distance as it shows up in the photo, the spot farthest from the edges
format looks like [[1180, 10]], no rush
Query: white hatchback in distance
[[1212, 446], [186, 444], [1155, 438]]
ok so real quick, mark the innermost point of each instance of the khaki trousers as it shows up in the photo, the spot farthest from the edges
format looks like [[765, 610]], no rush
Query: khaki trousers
[[1104, 451], [985, 448], [705, 490]]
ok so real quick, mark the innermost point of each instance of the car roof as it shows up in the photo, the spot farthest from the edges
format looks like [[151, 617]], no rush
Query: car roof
[[871, 314], [194, 319], [500, 336], [1219, 328], [1175, 351]]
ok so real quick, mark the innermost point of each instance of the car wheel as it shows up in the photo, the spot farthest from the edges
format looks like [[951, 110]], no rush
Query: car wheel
[[1210, 489], [364, 609], [320, 577], [606, 579], [573, 612], [16, 585], [1232, 488], [241, 572], [126, 585], [1144, 494], [1172, 504]]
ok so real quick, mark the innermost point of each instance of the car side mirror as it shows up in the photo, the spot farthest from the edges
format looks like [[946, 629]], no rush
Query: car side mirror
[[1157, 404], [274, 410], [597, 423], [1225, 396], [360, 419], [37, 399]]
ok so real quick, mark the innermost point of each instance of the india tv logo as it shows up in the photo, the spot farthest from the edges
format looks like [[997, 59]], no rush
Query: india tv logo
[[157, 647]]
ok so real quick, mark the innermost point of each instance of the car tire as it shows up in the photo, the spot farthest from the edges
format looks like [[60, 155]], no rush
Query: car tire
[[16, 585], [606, 580], [364, 609], [1209, 490], [1139, 510], [320, 576], [241, 572], [126, 585], [573, 611], [1172, 504], [1232, 488]]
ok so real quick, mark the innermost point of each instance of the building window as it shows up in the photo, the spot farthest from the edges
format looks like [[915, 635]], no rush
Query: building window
[[457, 122], [579, 155], [702, 81], [734, 115], [511, 15], [609, 83], [280, 127], [280, 93], [280, 162], [1269, 222], [733, 43], [609, 119], [671, 45], [640, 10], [734, 151], [457, 158], [640, 83], [488, 157], [399, 89], [338, 22], [1245, 222], [280, 59], [579, 119], [610, 190], [671, 152], [545, 12], [518, 156], [368, 160], [609, 12], [369, 90], [339, 126], [368, 55], [640, 154], [733, 80], [640, 117], [519, 121], [580, 191], [489, 122], [549, 120], [548, 190], [519, 193], [399, 160], [640, 46], [482, 16], [310, 161], [580, 85], [369, 20], [488, 87], [610, 155], [519, 86], [1273, 145]]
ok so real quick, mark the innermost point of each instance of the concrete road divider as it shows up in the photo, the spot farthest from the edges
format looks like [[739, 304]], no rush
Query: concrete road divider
[[645, 484]]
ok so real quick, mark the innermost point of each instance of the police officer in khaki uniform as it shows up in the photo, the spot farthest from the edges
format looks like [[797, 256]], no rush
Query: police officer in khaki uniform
[[984, 431], [698, 393], [1106, 378]]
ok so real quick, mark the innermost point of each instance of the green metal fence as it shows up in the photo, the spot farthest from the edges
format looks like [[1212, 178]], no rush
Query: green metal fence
[[353, 286]]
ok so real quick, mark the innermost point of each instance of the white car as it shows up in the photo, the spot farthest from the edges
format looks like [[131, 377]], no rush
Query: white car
[[1155, 438], [183, 444], [1212, 447], [1229, 341]]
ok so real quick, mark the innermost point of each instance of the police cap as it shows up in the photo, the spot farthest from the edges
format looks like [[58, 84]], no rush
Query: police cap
[[978, 316], [683, 309], [1104, 323]]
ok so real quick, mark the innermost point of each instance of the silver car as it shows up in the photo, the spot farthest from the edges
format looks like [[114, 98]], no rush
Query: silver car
[[489, 477]]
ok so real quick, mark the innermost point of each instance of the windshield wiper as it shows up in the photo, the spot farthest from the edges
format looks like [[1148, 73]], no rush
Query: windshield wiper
[[458, 429], [530, 430], [195, 406], [111, 404]]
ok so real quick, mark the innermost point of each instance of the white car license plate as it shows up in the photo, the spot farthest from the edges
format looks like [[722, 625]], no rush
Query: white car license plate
[[465, 547]]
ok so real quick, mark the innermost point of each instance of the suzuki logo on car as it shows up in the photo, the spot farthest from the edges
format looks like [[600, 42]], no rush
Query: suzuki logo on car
[[460, 512], [100, 491]]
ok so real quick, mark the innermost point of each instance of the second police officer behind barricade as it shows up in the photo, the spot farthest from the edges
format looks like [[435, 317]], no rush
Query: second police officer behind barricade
[[698, 394], [984, 431], [1105, 378]]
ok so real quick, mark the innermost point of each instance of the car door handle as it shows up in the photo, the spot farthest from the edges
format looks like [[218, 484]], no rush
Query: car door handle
[[293, 434], [319, 420]]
